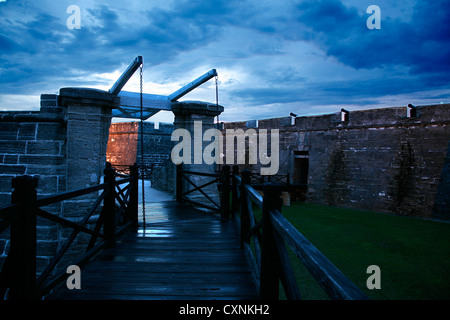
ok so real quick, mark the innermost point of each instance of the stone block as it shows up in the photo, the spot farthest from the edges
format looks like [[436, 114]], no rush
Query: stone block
[[47, 185], [42, 160], [46, 248], [48, 233], [54, 208], [12, 169], [5, 183], [53, 111], [43, 147], [9, 130], [77, 209], [51, 131], [44, 222], [12, 147], [59, 170], [10, 159], [27, 131], [49, 100]]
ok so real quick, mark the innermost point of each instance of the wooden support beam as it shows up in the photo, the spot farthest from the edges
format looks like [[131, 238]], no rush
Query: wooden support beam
[[234, 191], [109, 222], [126, 75], [225, 194], [130, 104], [134, 196], [270, 260], [22, 256], [192, 85], [150, 101], [179, 183], [245, 220]]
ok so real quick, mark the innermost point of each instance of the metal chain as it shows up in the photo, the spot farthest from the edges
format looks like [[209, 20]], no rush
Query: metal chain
[[217, 100], [142, 144]]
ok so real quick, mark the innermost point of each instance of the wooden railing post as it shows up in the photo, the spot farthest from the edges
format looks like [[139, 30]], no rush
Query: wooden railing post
[[134, 195], [234, 196], [22, 255], [179, 183], [270, 261], [245, 217], [225, 194], [109, 222]]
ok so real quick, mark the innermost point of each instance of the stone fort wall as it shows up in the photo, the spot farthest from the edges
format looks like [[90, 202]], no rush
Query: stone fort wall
[[380, 159], [64, 145], [124, 149]]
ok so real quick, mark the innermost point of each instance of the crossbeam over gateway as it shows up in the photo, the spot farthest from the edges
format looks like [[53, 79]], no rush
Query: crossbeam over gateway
[[130, 102]]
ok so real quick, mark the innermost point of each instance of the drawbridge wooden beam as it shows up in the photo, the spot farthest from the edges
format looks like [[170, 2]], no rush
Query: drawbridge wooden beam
[[130, 102], [126, 75], [130, 105]]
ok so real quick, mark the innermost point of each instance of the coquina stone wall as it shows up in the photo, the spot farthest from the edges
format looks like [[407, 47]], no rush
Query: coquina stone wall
[[380, 159], [64, 145], [124, 149], [124, 146]]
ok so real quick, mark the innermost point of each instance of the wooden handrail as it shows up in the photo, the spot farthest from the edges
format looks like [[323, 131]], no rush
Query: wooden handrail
[[48, 200], [269, 260], [201, 191], [180, 193], [65, 222], [328, 276], [254, 195], [24, 211]]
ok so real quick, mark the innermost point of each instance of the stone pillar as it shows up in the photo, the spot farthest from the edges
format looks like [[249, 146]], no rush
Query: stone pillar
[[88, 118], [188, 115]]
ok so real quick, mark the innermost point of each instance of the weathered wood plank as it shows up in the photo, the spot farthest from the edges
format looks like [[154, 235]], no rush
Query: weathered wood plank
[[190, 255]]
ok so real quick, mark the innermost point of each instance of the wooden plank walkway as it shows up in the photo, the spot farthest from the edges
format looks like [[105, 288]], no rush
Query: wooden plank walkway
[[182, 254]]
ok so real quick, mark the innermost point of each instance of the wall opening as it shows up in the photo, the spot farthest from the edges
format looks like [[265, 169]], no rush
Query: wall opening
[[301, 169]]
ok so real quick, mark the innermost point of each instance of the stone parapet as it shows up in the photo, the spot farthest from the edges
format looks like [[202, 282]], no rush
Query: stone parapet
[[64, 146], [379, 159]]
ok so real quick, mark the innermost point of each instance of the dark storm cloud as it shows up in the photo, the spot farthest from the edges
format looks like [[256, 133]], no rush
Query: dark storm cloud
[[287, 51], [50, 50], [422, 43]]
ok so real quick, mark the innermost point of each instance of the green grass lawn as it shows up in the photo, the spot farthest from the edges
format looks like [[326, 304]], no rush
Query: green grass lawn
[[413, 254]]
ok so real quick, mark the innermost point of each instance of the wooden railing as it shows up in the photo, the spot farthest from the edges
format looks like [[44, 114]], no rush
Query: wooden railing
[[18, 277], [181, 195], [264, 243]]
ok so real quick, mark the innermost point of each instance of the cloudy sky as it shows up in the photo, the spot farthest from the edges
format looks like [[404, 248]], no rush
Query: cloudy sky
[[273, 57]]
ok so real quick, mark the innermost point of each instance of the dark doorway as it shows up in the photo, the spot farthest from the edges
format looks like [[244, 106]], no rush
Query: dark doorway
[[301, 167]]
